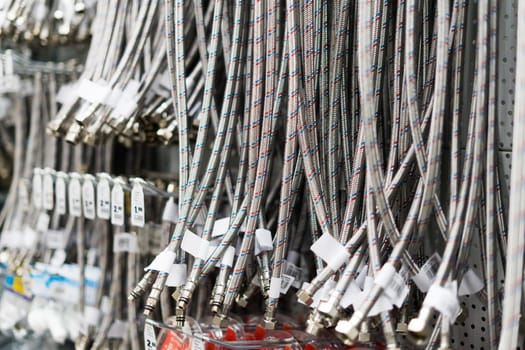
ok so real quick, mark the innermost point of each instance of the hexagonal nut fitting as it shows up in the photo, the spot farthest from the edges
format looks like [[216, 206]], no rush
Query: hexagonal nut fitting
[[347, 332], [418, 331], [219, 320], [328, 309], [305, 297], [269, 323], [364, 337], [313, 328], [242, 301], [402, 327]]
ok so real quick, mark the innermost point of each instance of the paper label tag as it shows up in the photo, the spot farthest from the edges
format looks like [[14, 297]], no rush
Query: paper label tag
[[124, 242], [444, 299], [150, 339], [286, 283], [323, 294], [55, 239], [397, 290], [88, 196], [470, 283], [93, 92], [177, 276], [293, 273], [67, 93], [163, 262], [382, 304], [91, 315], [331, 251], [275, 287], [220, 227], [195, 245], [128, 101], [58, 258], [60, 194], [137, 205], [103, 199], [263, 241], [75, 197], [48, 195], [42, 225], [114, 97], [171, 211], [352, 296], [30, 237], [117, 205], [228, 257], [37, 189], [427, 274]]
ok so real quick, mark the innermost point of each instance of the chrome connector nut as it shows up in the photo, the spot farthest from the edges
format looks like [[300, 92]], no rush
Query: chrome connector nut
[[269, 323], [347, 331], [328, 309], [304, 297]]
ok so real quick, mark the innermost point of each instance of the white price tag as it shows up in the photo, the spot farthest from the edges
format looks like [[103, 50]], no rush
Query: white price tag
[[37, 189], [324, 293], [382, 304], [91, 315], [397, 290], [93, 92], [47, 191], [114, 97], [162, 262], [42, 225], [426, 275], [88, 199], [352, 296], [177, 276], [228, 257], [58, 258], [128, 101], [220, 227], [150, 339], [67, 93], [117, 205], [30, 237], [275, 287], [470, 283], [331, 251], [444, 299], [124, 242], [286, 283], [195, 245], [171, 211], [263, 241], [294, 273], [75, 197], [137, 206], [55, 239], [103, 199], [60, 195]]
